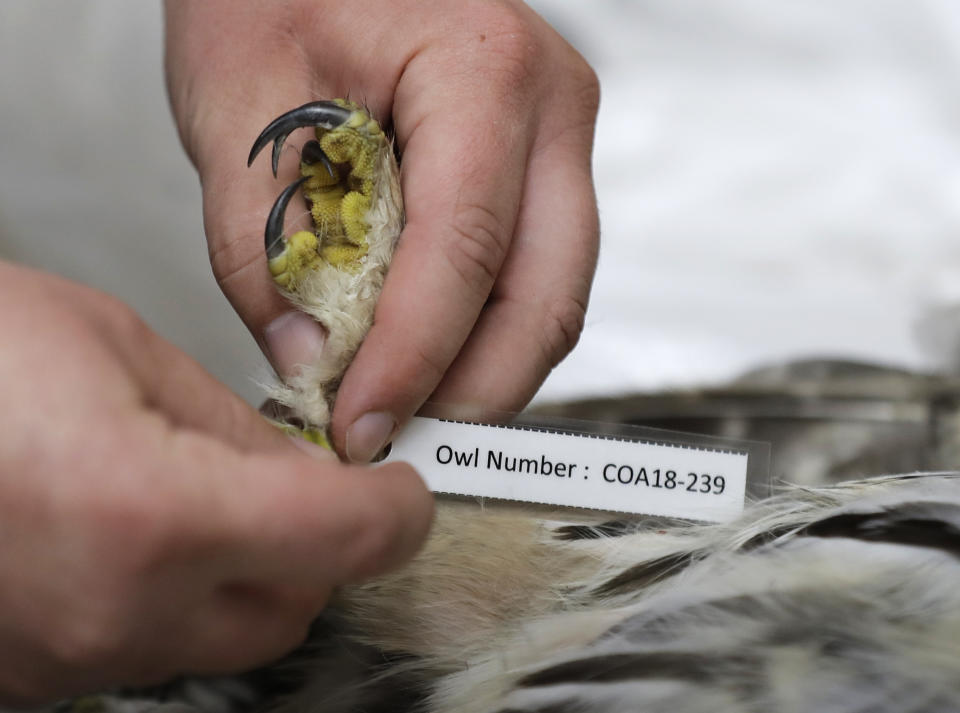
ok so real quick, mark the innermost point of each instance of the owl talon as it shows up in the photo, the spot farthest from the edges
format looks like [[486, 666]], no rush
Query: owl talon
[[325, 114], [350, 157], [273, 235], [312, 153]]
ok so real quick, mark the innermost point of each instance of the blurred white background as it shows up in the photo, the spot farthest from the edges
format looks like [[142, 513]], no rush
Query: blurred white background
[[776, 179]]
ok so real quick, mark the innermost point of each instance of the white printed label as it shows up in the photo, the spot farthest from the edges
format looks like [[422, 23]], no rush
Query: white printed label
[[579, 470]]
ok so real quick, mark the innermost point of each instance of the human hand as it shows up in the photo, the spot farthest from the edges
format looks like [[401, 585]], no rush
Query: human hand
[[152, 523], [494, 115]]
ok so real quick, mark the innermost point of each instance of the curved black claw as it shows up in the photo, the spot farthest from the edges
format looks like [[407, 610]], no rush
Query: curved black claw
[[325, 114], [312, 153], [273, 235]]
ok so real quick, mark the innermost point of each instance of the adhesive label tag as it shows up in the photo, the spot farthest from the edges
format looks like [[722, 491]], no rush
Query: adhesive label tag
[[581, 470]]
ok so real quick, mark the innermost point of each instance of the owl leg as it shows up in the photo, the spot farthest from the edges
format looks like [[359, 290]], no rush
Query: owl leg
[[333, 272]]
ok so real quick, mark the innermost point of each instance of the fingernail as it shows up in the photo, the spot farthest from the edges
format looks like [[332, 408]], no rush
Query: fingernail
[[312, 449], [293, 340], [368, 435]]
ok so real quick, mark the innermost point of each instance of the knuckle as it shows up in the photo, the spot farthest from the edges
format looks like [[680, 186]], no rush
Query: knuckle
[[511, 41], [580, 96], [131, 534], [122, 320], [477, 248], [587, 85], [93, 641], [562, 329], [125, 330], [97, 630]]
